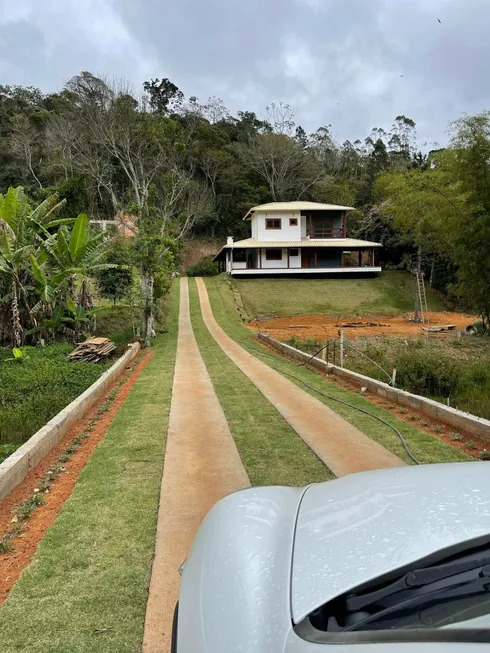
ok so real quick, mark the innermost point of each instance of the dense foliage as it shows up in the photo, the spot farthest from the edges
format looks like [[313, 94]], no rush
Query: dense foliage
[[41, 260], [206, 268], [33, 391], [167, 166]]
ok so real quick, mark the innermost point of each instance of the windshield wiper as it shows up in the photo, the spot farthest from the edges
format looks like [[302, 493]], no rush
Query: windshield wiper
[[418, 578], [470, 586]]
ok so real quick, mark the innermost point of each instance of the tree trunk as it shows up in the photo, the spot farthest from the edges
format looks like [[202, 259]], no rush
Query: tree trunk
[[147, 317], [416, 315], [16, 325]]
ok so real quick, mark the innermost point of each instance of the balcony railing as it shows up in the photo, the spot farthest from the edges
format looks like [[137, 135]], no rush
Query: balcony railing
[[326, 232]]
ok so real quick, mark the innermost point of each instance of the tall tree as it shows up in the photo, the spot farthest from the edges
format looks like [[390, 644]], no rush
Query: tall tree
[[138, 158], [287, 169]]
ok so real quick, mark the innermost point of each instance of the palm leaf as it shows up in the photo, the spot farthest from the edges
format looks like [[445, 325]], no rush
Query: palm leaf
[[59, 222], [10, 205], [37, 271], [78, 235], [50, 205]]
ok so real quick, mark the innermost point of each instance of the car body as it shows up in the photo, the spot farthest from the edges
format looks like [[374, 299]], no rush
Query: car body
[[266, 560]]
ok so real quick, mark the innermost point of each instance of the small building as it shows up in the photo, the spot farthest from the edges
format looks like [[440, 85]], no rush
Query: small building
[[298, 238]]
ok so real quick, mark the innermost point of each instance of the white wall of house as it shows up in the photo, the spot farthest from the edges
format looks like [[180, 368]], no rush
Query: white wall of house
[[295, 261], [283, 263], [286, 233]]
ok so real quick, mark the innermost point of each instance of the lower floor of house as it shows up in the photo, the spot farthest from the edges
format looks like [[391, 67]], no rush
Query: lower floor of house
[[297, 261]]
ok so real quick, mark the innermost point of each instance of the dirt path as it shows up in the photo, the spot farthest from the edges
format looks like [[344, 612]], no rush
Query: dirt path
[[342, 447], [202, 465]]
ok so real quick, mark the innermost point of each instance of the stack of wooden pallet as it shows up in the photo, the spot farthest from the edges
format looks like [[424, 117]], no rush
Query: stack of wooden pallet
[[92, 350]]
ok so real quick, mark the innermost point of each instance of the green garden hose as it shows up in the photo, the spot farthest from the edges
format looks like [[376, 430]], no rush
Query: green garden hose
[[410, 454]]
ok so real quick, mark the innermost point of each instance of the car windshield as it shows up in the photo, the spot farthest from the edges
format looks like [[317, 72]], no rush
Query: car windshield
[[453, 590]]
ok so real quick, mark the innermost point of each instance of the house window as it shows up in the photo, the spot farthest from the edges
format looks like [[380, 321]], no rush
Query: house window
[[273, 223], [294, 252], [239, 255], [273, 254], [293, 222]]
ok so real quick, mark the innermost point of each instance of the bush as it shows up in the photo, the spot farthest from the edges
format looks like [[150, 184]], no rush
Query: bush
[[427, 373], [6, 450], [207, 268], [114, 283]]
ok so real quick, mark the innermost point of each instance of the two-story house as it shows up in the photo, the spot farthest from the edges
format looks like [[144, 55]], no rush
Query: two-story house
[[298, 238]]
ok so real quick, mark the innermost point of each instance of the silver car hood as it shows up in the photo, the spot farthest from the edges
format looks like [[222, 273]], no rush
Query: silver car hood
[[357, 528]]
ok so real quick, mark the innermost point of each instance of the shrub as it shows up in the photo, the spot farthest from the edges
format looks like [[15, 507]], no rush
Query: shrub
[[427, 373], [207, 268], [6, 450], [114, 283]]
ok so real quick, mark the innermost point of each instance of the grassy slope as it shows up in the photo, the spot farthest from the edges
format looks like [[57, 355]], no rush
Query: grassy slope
[[271, 451], [426, 448], [25, 403], [391, 292], [92, 569]]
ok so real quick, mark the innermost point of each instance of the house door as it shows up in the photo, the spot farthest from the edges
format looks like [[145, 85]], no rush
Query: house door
[[305, 258]]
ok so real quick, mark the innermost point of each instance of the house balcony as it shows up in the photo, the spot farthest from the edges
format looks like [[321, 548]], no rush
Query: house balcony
[[321, 232]]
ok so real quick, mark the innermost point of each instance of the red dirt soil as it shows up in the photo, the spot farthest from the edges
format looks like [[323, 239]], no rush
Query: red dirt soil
[[13, 563], [323, 327]]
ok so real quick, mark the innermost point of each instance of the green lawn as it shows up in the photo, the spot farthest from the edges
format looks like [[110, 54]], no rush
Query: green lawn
[[425, 447], [86, 588], [391, 292], [271, 451]]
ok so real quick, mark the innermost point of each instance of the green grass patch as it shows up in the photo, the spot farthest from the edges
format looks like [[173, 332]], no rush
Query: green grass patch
[[115, 322], [271, 451], [425, 447], [456, 368], [392, 292], [37, 388], [86, 588]]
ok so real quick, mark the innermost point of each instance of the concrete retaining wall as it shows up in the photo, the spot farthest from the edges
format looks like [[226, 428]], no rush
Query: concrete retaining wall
[[14, 469], [455, 418]]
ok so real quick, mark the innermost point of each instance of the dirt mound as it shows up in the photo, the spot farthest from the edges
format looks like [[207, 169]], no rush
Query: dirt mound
[[323, 327]]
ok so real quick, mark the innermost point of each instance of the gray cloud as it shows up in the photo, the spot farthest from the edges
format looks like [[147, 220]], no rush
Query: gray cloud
[[354, 64]]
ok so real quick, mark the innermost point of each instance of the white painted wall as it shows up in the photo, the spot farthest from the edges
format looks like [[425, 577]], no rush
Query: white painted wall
[[303, 226], [239, 265], [284, 234], [283, 263], [295, 261]]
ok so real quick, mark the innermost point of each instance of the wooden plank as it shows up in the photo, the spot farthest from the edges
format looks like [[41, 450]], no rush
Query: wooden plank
[[439, 328]]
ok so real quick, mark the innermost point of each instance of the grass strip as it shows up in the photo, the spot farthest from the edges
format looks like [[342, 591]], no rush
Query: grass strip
[[271, 451], [86, 588], [425, 447]]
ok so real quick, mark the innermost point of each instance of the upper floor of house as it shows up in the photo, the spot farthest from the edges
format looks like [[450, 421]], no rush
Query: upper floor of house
[[293, 221]]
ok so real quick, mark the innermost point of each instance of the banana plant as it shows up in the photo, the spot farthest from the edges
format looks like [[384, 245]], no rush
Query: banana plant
[[66, 256], [20, 229]]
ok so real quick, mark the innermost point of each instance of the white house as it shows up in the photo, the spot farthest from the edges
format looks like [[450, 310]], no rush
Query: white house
[[298, 238]]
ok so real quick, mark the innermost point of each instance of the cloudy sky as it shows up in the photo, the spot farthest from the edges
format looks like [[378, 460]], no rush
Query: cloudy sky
[[354, 64]]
